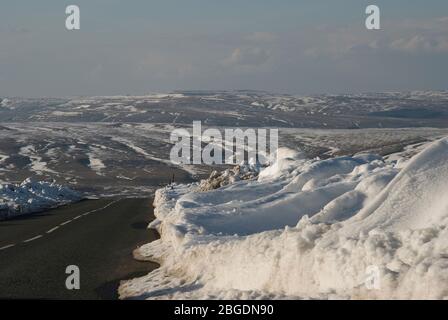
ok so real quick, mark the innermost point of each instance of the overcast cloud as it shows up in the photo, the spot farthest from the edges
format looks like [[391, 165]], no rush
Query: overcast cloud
[[128, 47]]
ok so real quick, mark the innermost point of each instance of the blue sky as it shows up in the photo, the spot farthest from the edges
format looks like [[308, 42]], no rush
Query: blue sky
[[292, 46]]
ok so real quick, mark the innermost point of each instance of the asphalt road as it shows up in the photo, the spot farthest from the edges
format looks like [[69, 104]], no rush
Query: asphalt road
[[98, 236]]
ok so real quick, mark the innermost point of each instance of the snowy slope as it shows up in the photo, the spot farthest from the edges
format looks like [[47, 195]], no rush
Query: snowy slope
[[29, 196], [105, 159], [241, 108], [306, 229]]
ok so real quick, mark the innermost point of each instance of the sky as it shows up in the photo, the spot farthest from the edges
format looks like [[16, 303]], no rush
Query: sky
[[281, 46]]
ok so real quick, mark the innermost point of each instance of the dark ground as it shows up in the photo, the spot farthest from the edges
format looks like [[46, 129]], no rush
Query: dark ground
[[100, 244]]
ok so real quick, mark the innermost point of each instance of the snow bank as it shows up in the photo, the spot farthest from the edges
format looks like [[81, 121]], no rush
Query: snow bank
[[349, 227], [29, 196]]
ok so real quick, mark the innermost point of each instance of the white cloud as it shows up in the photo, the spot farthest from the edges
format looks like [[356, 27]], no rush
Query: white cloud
[[421, 44], [411, 37], [248, 56]]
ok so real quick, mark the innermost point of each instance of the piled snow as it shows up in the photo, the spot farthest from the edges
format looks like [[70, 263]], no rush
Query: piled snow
[[349, 227], [29, 196]]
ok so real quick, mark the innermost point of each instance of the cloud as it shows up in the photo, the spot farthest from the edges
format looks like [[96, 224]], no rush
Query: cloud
[[424, 37], [248, 56], [442, 19], [261, 37], [420, 44]]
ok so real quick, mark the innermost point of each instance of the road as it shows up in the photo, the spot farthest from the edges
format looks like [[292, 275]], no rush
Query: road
[[98, 236]]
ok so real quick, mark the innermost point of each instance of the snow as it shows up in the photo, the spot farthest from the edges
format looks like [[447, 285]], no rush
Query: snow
[[140, 151], [306, 228], [37, 164], [95, 163], [242, 109], [66, 113], [420, 187], [5, 103], [31, 196]]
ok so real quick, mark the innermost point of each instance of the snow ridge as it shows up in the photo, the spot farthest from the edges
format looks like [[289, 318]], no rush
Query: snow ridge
[[306, 229]]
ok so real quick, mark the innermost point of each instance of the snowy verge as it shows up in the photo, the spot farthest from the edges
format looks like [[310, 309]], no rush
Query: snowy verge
[[353, 227], [29, 196]]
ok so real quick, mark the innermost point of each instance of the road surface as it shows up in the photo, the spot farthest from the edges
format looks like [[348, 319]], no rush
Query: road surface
[[98, 236]]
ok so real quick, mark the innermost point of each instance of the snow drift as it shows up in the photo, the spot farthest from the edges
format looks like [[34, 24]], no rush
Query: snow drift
[[306, 229], [30, 196]]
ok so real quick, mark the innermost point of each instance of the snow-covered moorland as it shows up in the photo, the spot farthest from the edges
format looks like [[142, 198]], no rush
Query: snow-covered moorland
[[30, 196], [306, 228]]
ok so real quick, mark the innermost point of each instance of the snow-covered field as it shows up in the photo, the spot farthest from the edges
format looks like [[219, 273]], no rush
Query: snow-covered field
[[358, 227], [32, 196], [109, 159], [242, 109], [358, 186]]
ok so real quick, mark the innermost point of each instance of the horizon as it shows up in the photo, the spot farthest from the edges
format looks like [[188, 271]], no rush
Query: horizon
[[230, 91]]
